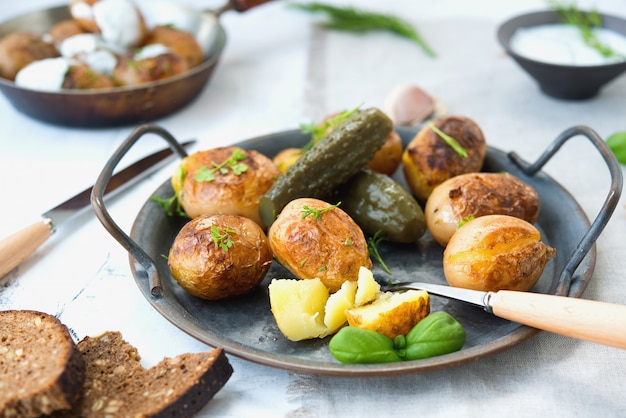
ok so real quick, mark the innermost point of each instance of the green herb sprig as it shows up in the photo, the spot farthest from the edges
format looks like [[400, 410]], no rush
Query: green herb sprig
[[585, 22], [359, 21], [317, 213], [453, 143], [206, 174], [171, 205], [372, 246], [319, 130], [222, 239]]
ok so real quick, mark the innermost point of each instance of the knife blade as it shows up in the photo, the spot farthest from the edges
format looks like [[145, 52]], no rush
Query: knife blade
[[15, 248], [589, 320]]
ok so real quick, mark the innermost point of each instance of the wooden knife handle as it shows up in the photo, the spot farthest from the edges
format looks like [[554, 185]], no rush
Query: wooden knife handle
[[598, 322], [15, 248]]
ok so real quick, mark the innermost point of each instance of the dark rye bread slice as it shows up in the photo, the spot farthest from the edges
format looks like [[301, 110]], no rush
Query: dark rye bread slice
[[117, 385], [41, 369]]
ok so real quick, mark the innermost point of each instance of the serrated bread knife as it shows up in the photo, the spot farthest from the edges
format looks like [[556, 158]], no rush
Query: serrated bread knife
[[598, 322], [17, 247]]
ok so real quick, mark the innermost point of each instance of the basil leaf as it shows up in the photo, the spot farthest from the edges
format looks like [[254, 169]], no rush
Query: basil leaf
[[355, 345], [617, 144], [437, 334]]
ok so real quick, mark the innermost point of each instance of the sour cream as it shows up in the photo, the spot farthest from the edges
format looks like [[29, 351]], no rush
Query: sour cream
[[151, 51], [44, 75], [90, 49], [119, 22], [563, 44]]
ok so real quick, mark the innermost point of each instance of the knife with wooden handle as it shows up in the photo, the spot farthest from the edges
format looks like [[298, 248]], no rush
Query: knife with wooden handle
[[17, 247], [598, 322]]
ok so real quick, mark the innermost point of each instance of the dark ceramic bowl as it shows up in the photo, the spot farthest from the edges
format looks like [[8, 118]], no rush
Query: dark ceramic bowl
[[569, 82]]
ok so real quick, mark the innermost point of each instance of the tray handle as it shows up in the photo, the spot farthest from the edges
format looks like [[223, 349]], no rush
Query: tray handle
[[97, 199], [609, 205]]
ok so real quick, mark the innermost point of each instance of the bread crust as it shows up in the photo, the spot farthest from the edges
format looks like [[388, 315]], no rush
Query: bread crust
[[116, 383], [27, 339]]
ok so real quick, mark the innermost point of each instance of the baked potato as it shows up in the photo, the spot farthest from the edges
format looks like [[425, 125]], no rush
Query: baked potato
[[388, 157], [298, 307], [391, 314], [305, 309], [178, 42], [19, 49], [472, 195], [314, 239], [220, 256], [429, 160], [134, 72], [496, 252], [225, 180]]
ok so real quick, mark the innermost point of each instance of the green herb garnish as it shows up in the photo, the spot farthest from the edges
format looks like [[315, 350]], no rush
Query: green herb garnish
[[372, 246], [319, 130], [359, 21], [317, 213], [464, 221], [617, 144], [233, 163], [585, 22], [222, 239], [171, 205], [453, 143]]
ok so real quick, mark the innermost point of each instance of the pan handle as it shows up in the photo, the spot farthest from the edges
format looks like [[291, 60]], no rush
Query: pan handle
[[615, 191], [240, 5], [97, 199]]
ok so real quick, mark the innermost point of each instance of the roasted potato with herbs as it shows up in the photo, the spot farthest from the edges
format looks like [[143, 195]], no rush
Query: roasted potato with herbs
[[496, 252], [314, 239], [225, 180], [220, 256], [472, 195], [430, 159]]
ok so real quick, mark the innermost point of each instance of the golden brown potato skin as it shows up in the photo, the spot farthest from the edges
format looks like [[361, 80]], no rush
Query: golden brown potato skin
[[207, 271], [229, 193], [478, 194], [80, 76], [496, 252], [179, 42], [331, 248], [19, 49], [131, 72], [63, 30], [429, 161], [388, 158], [285, 158]]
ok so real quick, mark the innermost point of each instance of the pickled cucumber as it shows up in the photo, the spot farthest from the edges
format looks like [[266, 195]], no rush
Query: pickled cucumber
[[377, 202], [329, 163]]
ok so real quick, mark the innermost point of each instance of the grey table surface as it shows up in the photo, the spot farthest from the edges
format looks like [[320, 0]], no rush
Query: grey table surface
[[280, 70]]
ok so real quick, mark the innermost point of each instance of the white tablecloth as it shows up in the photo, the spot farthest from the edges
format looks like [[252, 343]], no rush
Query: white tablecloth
[[279, 70]]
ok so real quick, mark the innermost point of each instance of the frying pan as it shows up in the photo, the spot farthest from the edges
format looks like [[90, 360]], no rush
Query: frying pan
[[117, 106]]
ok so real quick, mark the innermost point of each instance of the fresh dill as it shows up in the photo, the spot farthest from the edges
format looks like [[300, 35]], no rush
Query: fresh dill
[[319, 130], [355, 20], [586, 23], [372, 246]]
